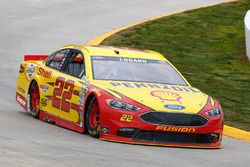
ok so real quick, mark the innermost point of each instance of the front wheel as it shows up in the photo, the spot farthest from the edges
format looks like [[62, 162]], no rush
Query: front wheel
[[34, 100], [93, 118]]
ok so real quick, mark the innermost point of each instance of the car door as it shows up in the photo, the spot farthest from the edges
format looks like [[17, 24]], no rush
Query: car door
[[52, 81], [69, 88]]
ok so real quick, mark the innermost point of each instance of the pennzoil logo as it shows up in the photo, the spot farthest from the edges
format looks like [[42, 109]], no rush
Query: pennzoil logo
[[175, 129], [166, 95]]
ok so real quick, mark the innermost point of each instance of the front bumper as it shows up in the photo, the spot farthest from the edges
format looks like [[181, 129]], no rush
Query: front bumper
[[148, 137], [163, 144], [138, 131]]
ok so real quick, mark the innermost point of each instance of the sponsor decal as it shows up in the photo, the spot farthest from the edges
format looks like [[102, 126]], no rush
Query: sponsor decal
[[175, 107], [94, 132], [81, 98], [21, 90], [44, 102], [44, 88], [153, 86], [81, 115], [175, 129], [125, 59], [44, 73], [84, 90], [105, 129], [166, 95], [21, 100], [85, 82], [133, 60], [30, 71], [126, 118], [81, 107], [82, 94]]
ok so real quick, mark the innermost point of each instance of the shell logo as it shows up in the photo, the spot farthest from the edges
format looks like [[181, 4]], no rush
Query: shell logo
[[166, 95]]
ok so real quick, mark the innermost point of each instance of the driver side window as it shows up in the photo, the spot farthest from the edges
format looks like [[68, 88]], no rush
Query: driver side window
[[75, 65]]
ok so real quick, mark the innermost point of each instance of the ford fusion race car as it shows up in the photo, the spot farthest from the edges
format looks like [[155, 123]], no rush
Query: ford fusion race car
[[119, 94]]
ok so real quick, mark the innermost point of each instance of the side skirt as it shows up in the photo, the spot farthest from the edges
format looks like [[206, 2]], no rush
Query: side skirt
[[47, 117]]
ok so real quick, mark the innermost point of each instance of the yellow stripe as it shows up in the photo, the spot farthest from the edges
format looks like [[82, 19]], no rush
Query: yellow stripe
[[236, 133], [228, 131]]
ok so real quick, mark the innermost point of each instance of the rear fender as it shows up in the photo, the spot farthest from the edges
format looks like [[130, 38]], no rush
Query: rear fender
[[26, 75]]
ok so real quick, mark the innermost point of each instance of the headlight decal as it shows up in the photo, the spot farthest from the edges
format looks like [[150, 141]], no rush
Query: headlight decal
[[121, 105], [213, 113], [212, 108]]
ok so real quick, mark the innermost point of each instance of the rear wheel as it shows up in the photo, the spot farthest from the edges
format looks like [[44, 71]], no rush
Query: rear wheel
[[34, 100], [93, 118]]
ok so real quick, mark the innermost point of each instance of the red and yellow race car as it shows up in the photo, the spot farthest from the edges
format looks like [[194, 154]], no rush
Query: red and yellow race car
[[119, 94]]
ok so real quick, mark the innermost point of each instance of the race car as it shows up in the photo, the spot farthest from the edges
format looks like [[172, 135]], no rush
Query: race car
[[119, 94]]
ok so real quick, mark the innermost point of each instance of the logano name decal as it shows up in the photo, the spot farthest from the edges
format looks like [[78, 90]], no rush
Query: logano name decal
[[44, 73], [133, 60], [175, 129], [152, 86]]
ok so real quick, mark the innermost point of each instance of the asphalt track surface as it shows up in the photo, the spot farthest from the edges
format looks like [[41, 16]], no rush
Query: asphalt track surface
[[40, 27]]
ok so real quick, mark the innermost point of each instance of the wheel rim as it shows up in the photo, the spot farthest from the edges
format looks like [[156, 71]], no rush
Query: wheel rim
[[94, 116], [35, 98]]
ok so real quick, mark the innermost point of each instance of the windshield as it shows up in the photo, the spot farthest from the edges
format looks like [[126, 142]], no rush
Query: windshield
[[134, 69]]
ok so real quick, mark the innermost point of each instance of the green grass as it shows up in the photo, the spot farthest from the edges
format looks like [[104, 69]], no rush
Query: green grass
[[208, 47]]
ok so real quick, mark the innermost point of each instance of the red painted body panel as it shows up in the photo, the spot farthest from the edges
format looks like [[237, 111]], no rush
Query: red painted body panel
[[110, 118]]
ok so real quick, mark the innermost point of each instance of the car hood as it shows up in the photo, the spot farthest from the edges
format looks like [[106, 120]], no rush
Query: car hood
[[158, 97]]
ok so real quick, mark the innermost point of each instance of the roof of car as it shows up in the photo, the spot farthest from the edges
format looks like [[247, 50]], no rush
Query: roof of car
[[101, 50]]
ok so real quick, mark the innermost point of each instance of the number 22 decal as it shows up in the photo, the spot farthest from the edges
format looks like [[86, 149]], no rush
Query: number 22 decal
[[68, 87], [126, 118]]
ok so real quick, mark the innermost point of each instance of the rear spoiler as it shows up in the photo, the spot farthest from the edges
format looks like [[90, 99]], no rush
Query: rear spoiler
[[35, 57]]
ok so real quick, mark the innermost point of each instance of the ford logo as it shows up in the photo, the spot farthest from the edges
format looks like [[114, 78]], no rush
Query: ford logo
[[175, 107]]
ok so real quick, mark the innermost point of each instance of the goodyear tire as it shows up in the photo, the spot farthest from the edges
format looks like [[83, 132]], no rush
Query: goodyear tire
[[93, 118], [34, 100]]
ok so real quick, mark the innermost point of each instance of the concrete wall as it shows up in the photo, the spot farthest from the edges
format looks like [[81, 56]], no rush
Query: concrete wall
[[247, 30]]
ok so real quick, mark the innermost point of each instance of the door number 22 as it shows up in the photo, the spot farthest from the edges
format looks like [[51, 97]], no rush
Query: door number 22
[[64, 90]]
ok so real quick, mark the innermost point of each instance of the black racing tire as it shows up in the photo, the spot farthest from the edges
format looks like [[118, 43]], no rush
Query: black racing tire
[[34, 100], [93, 118]]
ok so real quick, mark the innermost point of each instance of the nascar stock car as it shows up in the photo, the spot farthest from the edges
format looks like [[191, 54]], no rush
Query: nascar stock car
[[119, 94]]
